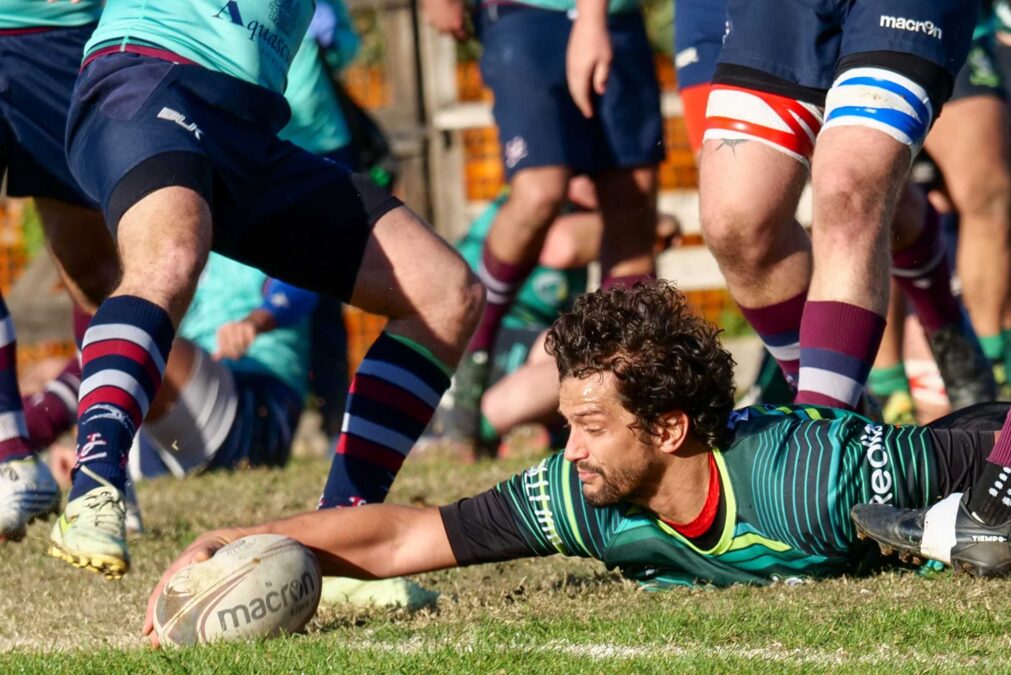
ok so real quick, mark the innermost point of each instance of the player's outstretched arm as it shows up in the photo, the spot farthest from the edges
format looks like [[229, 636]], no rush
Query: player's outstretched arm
[[366, 542]]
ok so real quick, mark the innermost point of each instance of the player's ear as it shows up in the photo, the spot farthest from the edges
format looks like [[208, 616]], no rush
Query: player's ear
[[674, 431]]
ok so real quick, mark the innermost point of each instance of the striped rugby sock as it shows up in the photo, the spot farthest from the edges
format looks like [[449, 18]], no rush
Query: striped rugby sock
[[14, 442], [778, 326], [122, 362], [393, 396], [53, 410], [502, 281], [838, 342]]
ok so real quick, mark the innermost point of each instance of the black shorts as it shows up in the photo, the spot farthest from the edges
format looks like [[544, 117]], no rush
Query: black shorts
[[962, 441], [980, 76], [138, 124]]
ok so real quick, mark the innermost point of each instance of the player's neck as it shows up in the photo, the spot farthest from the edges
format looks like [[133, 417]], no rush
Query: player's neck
[[681, 491]]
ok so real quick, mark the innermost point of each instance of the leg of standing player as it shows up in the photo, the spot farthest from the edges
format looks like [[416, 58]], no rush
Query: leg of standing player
[[161, 194], [970, 145], [920, 268]]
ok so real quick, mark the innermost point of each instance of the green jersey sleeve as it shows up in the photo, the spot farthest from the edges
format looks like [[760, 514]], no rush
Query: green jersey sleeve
[[553, 516], [539, 512]]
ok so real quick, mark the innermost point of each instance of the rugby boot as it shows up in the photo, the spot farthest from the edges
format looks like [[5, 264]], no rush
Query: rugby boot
[[898, 408], [968, 377], [469, 384], [91, 533], [946, 532], [390, 593], [28, 491]]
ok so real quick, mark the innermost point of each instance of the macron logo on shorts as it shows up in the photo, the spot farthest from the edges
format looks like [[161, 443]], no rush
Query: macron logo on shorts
[[912, 25], [180, 119]]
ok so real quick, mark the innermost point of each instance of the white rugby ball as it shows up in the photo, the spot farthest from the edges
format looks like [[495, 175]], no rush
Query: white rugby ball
[[258, 586]]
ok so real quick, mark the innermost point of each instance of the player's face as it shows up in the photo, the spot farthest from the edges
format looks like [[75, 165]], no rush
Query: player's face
[[612, 463]]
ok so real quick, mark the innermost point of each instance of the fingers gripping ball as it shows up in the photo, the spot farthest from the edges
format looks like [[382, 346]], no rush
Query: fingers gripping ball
[[258, 586]]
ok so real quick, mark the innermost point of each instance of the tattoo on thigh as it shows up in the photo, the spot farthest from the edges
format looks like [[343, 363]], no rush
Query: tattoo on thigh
[[731, 143]]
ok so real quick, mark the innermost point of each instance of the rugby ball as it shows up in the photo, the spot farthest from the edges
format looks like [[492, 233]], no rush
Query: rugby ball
[[258, 586]]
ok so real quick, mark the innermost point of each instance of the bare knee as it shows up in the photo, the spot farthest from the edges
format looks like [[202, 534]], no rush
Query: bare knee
[[538, 198], [983, 196], [851, 209], [741, 237]]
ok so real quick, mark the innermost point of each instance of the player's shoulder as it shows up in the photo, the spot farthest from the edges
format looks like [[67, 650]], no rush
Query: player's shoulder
[[762, 416]]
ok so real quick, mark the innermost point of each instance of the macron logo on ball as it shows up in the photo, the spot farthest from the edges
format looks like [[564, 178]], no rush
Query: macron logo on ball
[[902, 23]]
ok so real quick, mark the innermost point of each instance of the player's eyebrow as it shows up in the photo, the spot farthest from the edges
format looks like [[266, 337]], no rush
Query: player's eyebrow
[[586, 412]]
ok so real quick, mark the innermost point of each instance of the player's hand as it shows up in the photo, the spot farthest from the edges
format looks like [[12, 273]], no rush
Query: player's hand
[[446, 16], [588, 61], [200, 550], [234, 339]]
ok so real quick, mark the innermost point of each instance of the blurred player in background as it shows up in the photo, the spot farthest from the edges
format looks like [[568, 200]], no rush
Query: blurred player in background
[[546, 139], [521, 381]]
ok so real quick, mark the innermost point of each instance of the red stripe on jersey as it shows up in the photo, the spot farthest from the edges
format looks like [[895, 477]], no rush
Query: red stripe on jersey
[[367, 451], [130, 350], [153, 52], [113, 396], [391, 395]]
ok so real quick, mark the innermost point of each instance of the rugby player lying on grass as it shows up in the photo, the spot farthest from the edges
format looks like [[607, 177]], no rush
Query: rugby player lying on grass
[[653, 480]]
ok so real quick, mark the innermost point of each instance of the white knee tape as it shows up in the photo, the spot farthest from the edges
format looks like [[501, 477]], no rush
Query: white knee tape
[[880, 99]]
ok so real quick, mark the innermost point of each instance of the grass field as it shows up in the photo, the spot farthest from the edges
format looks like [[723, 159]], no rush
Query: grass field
[[543, 616]]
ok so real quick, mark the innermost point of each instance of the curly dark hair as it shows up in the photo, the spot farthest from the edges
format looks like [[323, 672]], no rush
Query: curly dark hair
[[663, 356]]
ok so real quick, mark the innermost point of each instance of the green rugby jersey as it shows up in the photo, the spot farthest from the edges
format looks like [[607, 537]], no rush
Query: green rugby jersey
[[788, 481], [41, 14], [253, 40]]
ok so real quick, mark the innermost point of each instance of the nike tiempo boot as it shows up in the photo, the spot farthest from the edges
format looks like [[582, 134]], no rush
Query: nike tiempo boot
[[945, 531], [28, 491], [91, 533], [968, 377]]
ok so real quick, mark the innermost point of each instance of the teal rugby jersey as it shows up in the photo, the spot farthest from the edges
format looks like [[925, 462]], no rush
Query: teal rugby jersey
[[41, 14], [253, 40], [789, 478], [229, 291], [317, 122]]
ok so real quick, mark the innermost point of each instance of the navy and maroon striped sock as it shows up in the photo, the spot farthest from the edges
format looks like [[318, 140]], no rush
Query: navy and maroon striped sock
[[393, 396], [14, 442], [838, 342], [53, 411], [122, 363], [503, 281], [778, 326], [921, 270]]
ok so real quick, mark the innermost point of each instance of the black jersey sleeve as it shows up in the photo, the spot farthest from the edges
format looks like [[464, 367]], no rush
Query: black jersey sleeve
[[538, 512], [482, 529]]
